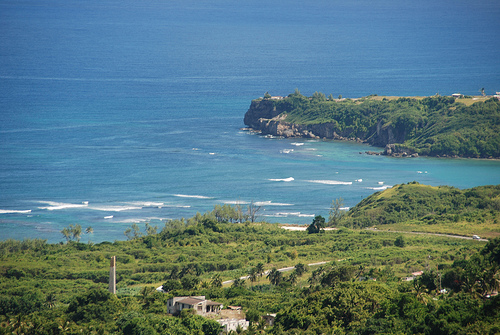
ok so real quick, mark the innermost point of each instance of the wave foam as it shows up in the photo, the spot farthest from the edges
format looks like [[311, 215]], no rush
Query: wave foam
[[379, 188], [270, 203], [146, 204], [114, 208], [330, 182], [287, 214], [297, 144], [235, 202], [61, 205], [192, 196], [13, 211], [284, 179]]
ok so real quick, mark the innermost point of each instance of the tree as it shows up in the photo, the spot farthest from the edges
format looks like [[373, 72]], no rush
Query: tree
[[252, 211], [399, 242], [300, 269], [336, 212], [151, 230], [216, 281], [259, 269], [252, 275], [189, 282], [238, 282], [133, 232], [317, 225], [275, 277], [252, 316], [76, 231], [72, 233], [171, 285], [267, 95], [211, 327], [67, 234]]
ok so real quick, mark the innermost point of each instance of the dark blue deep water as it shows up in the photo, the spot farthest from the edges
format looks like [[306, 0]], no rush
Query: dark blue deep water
[[121, 112]]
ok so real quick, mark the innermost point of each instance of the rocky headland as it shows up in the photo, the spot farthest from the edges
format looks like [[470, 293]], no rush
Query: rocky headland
[[265, 117], [439, 126]]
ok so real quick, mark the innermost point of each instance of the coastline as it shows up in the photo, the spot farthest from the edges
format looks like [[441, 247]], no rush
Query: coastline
[[271, 116]]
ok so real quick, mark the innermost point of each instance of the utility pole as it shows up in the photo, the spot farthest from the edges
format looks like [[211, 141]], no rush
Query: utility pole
[[112, 275]]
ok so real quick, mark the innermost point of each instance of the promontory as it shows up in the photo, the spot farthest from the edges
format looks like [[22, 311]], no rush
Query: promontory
[[441, 126]]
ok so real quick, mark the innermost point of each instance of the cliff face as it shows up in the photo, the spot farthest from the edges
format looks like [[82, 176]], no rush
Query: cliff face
[[263, 116]]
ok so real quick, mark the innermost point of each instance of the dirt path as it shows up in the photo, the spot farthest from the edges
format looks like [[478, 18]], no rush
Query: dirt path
[[423, 233]]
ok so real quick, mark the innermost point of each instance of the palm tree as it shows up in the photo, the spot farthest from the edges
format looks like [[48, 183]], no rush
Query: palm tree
[[275, 277], [259, 268], [66, 233], [216, 281], [76, 230], [300, 269], [252, 275]]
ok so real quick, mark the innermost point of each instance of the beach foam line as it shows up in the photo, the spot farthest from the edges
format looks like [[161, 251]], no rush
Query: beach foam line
[[379, 188], [330, 182], [284, 179], [192, 196], [270, 203], [136, 220], [61, 205], [14, 211], [146, 204], [114, 208], [235, 202], [287, 214]]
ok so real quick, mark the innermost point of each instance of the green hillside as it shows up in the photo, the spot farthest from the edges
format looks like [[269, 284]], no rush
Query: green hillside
[[344, 281], [440, 209], [436, 126]]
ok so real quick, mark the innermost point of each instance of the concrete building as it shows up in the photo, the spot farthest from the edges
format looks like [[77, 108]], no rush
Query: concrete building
[[199, 304]]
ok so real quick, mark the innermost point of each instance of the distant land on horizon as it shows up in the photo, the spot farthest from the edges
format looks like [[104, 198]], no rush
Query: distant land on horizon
[[438, 126]]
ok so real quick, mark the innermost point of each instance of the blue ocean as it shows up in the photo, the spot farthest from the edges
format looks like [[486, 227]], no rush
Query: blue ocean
[[121, 112]]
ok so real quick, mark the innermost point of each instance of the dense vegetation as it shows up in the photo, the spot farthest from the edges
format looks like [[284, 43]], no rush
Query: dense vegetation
[[427, 205], [61, 288], [433, 126]]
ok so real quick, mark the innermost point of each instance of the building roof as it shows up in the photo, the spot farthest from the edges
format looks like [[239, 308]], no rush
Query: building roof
[[213, 303], [190, 301]]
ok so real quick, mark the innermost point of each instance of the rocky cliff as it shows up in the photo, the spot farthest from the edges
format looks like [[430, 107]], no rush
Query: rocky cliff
[[264, 116]]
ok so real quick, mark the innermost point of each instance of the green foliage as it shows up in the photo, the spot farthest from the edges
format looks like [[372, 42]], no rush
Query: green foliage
[[97, 304], [434, 126], [317, 225], [425, 204], [400, 241], [62, 287]]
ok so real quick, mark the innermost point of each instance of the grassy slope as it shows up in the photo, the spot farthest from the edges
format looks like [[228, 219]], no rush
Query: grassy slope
[[433, 126], [415, 207]]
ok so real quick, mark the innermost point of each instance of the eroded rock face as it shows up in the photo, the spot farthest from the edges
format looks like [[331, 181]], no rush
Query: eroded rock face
[[266, 118]]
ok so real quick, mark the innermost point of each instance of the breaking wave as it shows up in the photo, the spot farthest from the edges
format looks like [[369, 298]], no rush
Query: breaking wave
[[284, 179], [330, 182]]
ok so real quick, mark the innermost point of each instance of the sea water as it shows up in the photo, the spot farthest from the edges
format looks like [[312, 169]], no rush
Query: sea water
[[122, 112]]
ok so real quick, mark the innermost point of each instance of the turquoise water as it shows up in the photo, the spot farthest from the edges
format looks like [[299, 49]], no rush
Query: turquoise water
[[119, 112]]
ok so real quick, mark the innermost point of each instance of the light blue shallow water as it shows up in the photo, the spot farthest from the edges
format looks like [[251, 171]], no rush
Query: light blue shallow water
[[115, 112]]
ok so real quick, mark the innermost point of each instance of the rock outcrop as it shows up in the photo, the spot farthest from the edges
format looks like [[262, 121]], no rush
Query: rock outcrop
[[263, 116]]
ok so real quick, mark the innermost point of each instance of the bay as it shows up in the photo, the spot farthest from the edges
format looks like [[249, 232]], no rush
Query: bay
[[121, 112]]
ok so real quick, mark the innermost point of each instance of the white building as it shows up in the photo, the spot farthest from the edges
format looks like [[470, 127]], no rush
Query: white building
[[199, 304], [233, 324]]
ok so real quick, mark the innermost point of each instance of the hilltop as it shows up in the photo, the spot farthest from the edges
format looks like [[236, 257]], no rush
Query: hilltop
[[440, 126]]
